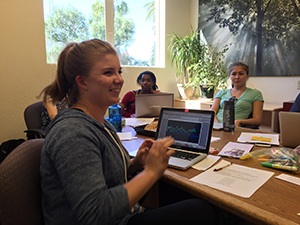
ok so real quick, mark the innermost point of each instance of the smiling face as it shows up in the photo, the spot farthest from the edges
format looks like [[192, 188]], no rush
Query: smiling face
[[104, 83], [146, 82], [239, 76]]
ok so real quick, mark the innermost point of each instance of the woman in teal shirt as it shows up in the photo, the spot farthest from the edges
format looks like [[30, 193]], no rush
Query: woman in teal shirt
[[247, 100]]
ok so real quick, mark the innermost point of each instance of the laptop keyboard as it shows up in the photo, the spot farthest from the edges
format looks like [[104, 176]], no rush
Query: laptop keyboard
[[185, 155]]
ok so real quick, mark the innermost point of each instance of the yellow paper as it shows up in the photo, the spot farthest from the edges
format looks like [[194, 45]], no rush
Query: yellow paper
[[255, 138]]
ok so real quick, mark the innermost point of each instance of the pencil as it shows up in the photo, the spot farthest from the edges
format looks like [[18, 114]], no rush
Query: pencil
[[218, 169]]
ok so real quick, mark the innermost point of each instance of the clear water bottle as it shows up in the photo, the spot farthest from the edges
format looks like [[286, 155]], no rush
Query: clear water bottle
[[228, 114], [115, 116]]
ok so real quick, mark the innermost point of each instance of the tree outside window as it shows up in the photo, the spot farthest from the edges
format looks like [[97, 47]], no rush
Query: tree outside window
[[68, 22]]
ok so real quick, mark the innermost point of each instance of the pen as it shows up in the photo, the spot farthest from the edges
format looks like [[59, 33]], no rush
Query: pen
[[278, 166], [258, 144], [218, 169]]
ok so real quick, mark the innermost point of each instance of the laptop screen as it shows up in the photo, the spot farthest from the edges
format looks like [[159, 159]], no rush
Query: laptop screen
[[149, 105], [191, 129]]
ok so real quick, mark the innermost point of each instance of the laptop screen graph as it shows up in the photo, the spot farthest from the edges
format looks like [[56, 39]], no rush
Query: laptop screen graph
[[190, 130]]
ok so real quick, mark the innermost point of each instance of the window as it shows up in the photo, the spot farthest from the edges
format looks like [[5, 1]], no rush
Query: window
[[132, 26]]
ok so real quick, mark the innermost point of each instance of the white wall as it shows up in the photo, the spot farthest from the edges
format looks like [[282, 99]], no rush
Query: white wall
[[24, 71]]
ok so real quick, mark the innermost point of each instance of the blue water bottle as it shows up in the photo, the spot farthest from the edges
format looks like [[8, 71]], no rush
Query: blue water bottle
[[115, 116]]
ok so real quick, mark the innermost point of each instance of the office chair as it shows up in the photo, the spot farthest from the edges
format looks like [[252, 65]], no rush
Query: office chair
[[256, 127], [33, 120], [20, 186]]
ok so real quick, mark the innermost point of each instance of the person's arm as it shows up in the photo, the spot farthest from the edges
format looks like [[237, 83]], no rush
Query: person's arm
[[156, 163], [51, 109], [296, 105], [122, 106], [257, 116], [215, 107], [127, 99]]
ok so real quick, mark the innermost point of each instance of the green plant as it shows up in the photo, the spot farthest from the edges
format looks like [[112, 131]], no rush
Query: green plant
[[210, 70], [185, 52]]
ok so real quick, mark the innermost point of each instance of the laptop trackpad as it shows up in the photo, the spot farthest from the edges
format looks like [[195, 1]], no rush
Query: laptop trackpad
[[184, 164]]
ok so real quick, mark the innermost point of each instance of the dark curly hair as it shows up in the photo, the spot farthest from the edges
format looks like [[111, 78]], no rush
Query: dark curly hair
[[154, 87]]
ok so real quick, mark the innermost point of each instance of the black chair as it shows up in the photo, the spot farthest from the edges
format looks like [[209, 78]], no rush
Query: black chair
[[33, 120], [256, 127], [20, 185]]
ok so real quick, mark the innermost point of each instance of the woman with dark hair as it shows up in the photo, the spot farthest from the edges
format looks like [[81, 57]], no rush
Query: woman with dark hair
[[147, 80], [84, 167], [49, 111], [248, 101]]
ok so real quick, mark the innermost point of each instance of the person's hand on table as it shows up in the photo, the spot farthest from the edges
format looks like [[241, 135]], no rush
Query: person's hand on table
[[140, 158], [237, 123]]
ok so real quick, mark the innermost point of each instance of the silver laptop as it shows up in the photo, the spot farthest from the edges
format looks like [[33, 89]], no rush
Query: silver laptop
[[191, 130], [289, 128], [149, 105]]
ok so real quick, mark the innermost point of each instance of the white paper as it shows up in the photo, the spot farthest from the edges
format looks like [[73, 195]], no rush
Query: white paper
[[235, 150], [214, 139], [288, 178], [238, 180], [125, 136], [206, 163], [246, 137], [134, 122], [133, 153]]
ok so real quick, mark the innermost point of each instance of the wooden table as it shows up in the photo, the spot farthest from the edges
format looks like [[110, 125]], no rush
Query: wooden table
[[276, 202]]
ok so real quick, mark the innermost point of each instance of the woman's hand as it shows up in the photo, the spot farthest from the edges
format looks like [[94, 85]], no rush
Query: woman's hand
[[237, 123], [158, 157], [138, 162]]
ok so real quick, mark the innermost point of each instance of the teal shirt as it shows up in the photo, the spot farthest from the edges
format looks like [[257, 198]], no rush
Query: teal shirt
[[243, 105]]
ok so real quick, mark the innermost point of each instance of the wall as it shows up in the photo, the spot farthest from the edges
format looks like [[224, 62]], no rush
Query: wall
[[24, 71]]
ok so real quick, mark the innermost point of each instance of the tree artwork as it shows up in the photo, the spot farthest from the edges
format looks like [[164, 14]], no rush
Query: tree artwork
[[265, 34]]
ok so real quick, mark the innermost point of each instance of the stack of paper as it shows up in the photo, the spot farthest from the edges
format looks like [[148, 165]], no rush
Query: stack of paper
[[259, 138], [135, 122]]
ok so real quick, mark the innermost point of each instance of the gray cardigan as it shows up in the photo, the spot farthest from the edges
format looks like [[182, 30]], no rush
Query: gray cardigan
[[82, 172]]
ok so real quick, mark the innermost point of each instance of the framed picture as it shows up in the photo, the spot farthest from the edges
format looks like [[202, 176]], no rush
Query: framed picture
[[263, 34]]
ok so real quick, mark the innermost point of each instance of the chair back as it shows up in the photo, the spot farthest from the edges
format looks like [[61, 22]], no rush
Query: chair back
[[33, 116], [33, 120], [20, 185], [256, 127]]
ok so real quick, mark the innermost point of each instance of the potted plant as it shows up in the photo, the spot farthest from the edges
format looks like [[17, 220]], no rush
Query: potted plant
[[210, 72], [185, 52]]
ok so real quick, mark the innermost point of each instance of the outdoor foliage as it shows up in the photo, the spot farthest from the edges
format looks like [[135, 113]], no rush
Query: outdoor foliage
[[65, 25], [69, 24]]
